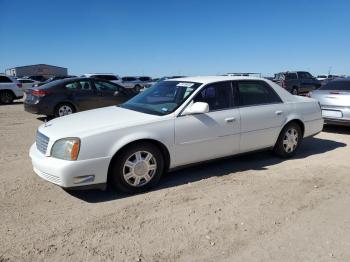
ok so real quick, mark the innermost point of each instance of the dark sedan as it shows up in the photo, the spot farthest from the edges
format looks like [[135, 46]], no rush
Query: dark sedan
[[67, 96]]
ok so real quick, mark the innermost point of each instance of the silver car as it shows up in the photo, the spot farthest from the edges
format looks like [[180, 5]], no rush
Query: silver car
[[334, 98]]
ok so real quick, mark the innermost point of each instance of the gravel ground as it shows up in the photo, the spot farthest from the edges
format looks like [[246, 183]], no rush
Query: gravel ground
[[249, 208]]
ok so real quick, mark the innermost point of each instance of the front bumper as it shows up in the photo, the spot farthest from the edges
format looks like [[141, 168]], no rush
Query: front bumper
[[70, 174], [337, 121]]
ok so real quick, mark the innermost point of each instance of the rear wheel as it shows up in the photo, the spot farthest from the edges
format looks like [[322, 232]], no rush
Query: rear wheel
[[6, 97], [295, 91], [64, 109], [136, 168], [137, 88], [289, 140]]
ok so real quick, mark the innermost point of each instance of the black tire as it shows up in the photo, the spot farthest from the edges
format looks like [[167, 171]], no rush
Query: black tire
[[118, 168], [69, 107], [295, 91], [281, 149], [6, 97], [137, 88]]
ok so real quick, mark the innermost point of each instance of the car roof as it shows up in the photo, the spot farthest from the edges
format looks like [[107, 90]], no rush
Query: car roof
[[212, 79]]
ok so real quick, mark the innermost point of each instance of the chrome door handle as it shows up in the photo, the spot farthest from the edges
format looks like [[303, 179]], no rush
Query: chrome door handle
[[279, 113], [230, 119]]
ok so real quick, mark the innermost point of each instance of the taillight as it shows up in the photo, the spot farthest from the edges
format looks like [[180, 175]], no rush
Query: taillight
[[334, 93], [19, 85], [40, 92]]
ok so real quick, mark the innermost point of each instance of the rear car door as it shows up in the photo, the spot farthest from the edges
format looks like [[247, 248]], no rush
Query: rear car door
[[211, 135], [82, 94], [111, 93], [262, 114]]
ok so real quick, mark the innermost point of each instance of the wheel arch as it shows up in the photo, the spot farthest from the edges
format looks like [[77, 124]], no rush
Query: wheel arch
[[161, 146], [65, 102], [8, 90], [297, 121]]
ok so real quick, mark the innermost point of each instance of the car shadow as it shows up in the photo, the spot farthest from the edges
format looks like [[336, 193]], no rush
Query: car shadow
[[222, 167], [13, 103], [344, 130], [45, 118]]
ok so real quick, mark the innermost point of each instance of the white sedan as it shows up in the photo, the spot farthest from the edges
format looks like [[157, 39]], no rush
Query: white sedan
[[174, 123]]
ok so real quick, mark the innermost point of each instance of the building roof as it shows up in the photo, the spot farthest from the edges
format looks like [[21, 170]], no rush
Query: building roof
[[36, 65]]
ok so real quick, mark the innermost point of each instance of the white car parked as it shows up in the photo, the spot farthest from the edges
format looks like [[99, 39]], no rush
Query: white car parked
[[174, 123], [10, 89], [27, 83]]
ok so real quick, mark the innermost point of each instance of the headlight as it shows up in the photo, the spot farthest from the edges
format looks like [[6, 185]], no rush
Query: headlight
[[66, 148]]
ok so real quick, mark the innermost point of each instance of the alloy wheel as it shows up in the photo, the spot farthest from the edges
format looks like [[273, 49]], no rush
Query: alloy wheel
[[65, 110], [139, 168], [290, 140]]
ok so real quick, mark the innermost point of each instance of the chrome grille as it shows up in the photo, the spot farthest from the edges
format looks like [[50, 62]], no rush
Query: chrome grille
[[41, 142]]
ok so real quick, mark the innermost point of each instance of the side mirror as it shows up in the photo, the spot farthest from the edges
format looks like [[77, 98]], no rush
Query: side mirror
[[196, 108]]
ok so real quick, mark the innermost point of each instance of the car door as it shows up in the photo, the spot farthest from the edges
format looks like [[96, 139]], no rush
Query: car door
[[307, 82], [262, 115], [82, 94], [211, 135], [110, 93]]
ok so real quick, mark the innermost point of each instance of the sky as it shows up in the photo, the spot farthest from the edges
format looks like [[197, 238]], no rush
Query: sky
[[177, 37]]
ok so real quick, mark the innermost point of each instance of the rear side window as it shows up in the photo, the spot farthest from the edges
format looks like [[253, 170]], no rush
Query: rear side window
[[5, 79], [217, 95], [145, 78], [129, 78], [290, 76], [256, 93], [337, 85], [79, 85], [25, 81]]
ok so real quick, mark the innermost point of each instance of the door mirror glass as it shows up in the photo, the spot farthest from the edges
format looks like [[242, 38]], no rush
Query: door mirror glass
[[196, 108]]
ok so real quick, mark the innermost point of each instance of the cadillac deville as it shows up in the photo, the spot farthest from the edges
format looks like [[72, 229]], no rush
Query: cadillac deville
[[174, 123]]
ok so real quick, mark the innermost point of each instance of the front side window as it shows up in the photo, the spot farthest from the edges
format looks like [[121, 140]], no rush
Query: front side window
[[79, 85], [162, 98], [105, 86], [256, 93], [217, 96]]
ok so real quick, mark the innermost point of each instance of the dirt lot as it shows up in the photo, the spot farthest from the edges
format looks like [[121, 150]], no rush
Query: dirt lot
[[248, 208]]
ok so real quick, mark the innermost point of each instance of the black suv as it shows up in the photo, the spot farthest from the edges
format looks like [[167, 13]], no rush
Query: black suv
[[297, 82]]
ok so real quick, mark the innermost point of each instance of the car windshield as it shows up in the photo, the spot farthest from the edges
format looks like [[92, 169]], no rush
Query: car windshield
[[162, 98]]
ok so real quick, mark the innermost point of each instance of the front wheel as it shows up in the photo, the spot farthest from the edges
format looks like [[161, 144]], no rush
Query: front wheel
[[288, 141], [136, 168]]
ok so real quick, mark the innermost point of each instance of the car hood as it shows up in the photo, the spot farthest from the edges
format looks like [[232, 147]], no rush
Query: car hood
[[92, 121]]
